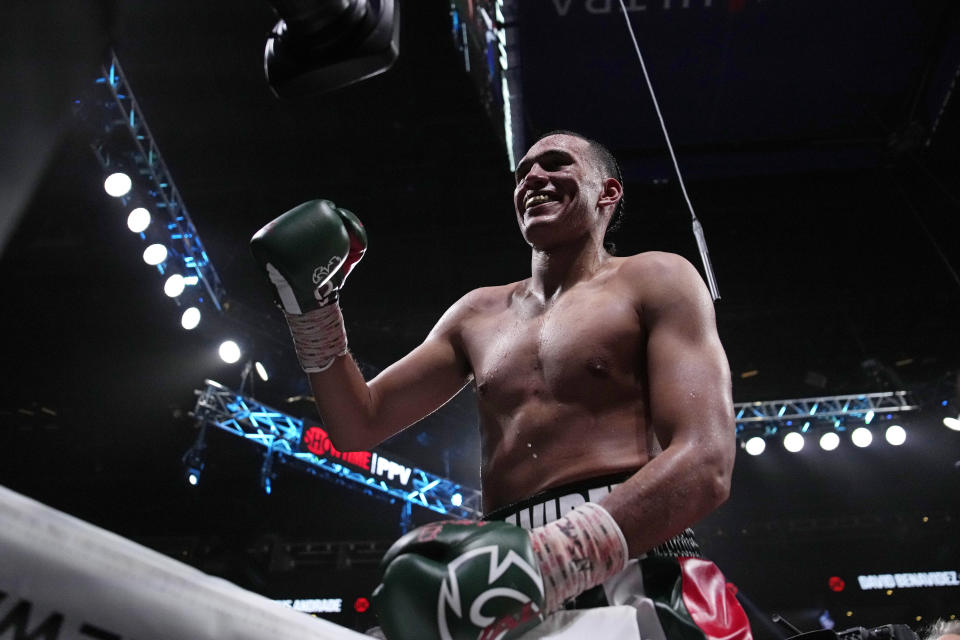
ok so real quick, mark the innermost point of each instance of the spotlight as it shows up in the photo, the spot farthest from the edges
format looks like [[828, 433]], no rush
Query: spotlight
[[261, 371], [755, 445], [138, 220], [896, 435], [266, 473], [862, 437], [193, 463], [190, 318], [952, 423], [456, 499], [229, 351], [793, 442], [829, 441], [154, 254], [867, 419], [174, 285], [117, 185]]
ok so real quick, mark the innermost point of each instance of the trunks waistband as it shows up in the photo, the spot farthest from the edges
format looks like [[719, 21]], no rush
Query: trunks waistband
[[552, 504]]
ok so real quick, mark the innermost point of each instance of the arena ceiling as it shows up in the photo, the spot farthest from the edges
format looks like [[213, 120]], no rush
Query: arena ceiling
[[822, 163]]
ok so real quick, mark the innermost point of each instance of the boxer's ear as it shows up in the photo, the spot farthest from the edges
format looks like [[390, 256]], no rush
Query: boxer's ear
[[610, 193]]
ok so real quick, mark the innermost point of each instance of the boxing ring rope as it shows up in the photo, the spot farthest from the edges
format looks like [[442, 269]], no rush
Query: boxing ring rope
[[64, 578]]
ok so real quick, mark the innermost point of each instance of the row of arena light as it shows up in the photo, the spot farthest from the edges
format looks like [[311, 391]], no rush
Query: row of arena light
[[156, 254], [156, 212], [794, 441], [125, 147], [827, 419]]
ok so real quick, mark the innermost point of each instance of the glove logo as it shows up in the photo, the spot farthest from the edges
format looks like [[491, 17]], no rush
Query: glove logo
[[483, 564], [322, 273]]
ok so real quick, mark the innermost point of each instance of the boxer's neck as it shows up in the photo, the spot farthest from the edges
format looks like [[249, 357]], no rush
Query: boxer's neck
[[555, 270]]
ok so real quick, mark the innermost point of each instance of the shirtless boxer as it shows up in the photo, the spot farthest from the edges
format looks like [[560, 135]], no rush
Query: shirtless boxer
[[601, 385]]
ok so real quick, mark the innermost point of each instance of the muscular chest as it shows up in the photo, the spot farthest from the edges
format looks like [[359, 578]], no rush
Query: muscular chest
[[585, 348]]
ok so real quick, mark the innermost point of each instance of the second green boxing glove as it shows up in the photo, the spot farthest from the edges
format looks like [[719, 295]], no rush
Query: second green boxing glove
[[477, 580], [460, 580]]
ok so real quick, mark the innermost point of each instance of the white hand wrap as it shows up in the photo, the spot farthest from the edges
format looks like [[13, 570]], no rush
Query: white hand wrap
[[318, 337], [577, 552]]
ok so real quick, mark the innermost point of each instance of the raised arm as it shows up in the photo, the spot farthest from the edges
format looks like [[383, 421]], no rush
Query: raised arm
[[359, 414], [691, 407], [307, 254]]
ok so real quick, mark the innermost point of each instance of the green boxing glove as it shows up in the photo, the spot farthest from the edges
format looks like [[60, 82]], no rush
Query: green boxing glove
[[460, 579], [469, 580], [307, 253]]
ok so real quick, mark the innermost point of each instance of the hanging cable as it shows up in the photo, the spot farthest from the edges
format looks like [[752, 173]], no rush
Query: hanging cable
[[697, 228]]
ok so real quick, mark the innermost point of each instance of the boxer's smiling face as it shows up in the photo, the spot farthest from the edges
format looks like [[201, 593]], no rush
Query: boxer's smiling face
[[557, 189]]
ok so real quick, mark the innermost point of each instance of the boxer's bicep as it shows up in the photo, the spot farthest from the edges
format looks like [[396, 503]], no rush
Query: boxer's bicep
[[690, 406], [688, 374]]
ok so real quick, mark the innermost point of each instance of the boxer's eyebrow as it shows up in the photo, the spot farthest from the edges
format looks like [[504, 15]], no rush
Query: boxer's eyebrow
[[555, 156]]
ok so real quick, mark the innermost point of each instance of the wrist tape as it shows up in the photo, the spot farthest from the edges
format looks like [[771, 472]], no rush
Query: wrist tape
[[577, 552], [318, 337]]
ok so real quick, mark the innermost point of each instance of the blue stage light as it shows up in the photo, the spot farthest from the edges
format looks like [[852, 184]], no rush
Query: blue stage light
[[193, 463]]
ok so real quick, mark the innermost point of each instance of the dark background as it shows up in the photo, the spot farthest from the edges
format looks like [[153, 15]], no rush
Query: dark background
[[819, 143]]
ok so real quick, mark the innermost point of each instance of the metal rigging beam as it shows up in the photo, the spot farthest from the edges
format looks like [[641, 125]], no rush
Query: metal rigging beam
[[119, 110], [292, 441], [753, 418]]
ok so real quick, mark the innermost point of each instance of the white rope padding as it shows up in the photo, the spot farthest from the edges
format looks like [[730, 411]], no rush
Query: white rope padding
[[76, 581]]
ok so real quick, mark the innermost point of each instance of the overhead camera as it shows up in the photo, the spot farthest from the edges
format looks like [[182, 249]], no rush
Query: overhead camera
[[321, 45]]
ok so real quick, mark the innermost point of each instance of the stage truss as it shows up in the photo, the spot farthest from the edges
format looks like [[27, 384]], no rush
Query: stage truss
[[375, 472], [831, 412], [381, 474], [124, 143]]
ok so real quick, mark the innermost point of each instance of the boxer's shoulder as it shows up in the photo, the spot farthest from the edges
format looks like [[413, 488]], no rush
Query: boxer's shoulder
[[660, 277], [654, 265], [479, 303], [487, 300]]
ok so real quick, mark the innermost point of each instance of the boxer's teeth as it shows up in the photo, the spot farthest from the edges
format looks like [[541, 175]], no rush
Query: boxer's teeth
[[535, 200]]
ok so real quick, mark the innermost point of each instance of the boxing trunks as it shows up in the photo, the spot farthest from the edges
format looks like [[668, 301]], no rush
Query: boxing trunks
[[672, 591]]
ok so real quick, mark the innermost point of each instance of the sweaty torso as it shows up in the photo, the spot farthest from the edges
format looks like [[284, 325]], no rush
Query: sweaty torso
[[560, 385]]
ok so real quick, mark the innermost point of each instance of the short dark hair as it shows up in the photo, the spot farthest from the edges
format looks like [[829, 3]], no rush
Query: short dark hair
[[608, 167]]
